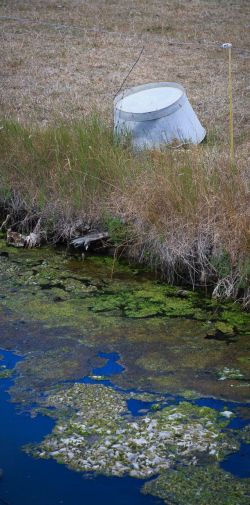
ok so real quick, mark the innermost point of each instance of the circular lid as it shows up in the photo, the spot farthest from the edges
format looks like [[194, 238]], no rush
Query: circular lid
[[149, 100]]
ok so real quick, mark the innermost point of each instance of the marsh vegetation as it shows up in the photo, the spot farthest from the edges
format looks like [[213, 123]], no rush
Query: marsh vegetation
[[185, 213]]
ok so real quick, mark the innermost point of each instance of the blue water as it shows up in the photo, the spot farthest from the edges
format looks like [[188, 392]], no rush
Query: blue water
[[27, 481], [138, 407], [238, 463], [216, 403], [111, 367]]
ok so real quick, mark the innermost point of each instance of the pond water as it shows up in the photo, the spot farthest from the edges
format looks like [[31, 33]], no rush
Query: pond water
[[115, 388], [28, 481]]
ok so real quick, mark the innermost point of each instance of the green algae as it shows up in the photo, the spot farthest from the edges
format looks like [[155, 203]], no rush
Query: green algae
[[153, 300], [132, 297], [188, 358], [138, 307], [5, 373], [45, 370], [225, 328], [245, 434], [190, 394], [155, 407], [160, 330], [199, 486], [155, 361], [187, 412], [237, 318], [95, 432], [230, 373], [7, 249], [244, 360], [221, 327]]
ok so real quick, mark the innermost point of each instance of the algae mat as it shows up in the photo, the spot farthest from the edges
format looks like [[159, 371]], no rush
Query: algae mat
[[64, 311], [80, 324]]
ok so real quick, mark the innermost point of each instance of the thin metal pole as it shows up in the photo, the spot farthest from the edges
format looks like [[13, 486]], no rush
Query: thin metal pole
[[230, 94]]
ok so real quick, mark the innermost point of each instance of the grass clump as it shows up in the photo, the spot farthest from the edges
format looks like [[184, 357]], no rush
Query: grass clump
[[183, 212]]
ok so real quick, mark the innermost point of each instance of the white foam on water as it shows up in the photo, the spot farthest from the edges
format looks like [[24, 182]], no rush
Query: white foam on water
[[151, 99]]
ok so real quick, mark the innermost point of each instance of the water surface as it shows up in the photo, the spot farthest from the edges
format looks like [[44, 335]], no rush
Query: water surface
[[63, 322]]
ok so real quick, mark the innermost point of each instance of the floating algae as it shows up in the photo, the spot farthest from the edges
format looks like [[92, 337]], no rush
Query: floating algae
[[245, 434], [170, 338], [199, 486], [60, 313], [230, 373], [5, 373], [95, 433]]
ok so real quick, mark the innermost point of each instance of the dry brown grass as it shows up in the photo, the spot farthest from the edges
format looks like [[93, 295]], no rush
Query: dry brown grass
[[189, 211], [184, 212], [189, 216], [51, 71]]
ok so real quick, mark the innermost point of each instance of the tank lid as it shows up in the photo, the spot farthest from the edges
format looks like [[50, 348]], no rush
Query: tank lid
[[149, 101]]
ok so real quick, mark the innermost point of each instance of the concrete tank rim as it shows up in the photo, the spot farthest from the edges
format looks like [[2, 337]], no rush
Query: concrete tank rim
[[154, 114]]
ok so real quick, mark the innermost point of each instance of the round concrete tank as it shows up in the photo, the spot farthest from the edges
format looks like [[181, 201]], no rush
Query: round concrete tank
[[156, 114]]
